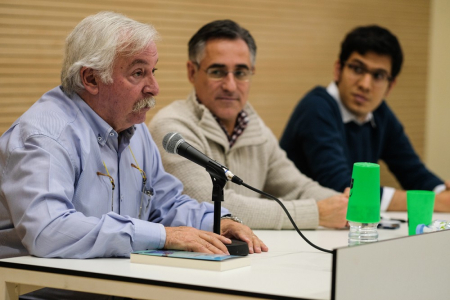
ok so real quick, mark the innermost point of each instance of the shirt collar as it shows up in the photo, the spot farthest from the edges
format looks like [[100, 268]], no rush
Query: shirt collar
[[347, 116], [102, 130]]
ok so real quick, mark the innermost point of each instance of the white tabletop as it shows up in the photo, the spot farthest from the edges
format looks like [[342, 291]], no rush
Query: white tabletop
[[291, 268]]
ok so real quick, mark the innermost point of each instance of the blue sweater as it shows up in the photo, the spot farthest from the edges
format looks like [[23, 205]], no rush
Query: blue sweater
[[324, 148]]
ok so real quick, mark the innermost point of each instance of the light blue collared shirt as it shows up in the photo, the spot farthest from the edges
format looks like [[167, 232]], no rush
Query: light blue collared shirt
[[54, 204]]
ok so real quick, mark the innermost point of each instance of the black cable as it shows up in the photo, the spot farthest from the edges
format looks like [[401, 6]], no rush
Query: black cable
[[240, 182]]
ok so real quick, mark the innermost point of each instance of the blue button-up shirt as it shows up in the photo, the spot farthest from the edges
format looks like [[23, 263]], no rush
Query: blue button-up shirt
[[53, 202]]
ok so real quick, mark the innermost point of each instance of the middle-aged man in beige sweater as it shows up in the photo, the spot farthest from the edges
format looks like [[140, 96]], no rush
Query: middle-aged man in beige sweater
[[217, 120]]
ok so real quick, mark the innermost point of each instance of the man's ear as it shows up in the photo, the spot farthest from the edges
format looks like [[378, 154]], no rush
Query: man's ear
[[337, 71], [390, 87], [191, 70], [89, 80]]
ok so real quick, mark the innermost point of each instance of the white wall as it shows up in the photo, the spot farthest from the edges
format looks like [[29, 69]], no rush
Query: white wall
[[437, 137]]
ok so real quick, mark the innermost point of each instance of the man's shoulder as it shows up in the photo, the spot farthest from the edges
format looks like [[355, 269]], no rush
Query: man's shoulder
[[383, 113], [318, 97], [384, 109], [317, 103], [179, 116], [49, 116]]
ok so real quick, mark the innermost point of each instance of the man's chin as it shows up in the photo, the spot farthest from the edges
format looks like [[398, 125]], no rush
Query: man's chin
[[140, 116]]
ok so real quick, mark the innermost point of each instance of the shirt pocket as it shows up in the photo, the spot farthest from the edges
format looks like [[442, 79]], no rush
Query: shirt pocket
[[143, 212]]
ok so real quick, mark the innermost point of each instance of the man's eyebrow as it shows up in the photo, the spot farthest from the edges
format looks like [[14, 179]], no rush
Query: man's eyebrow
[[242, 66], [355, 60], [239, 66], [216, 66], [138, 61]]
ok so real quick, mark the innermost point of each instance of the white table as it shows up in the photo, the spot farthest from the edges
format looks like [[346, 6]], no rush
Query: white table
[[291, 269]]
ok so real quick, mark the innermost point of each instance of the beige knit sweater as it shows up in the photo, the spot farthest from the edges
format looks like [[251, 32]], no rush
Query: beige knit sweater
[[255, 157]]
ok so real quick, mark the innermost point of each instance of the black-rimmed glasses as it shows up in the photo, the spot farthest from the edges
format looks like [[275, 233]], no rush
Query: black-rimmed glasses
[[379, 77], [113, 186]]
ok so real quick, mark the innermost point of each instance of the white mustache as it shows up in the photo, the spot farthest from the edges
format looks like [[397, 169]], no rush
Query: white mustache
[[148, 102]]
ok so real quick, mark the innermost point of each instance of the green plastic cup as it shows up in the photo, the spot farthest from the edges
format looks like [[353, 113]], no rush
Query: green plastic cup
[[364, 201], [420, 206]]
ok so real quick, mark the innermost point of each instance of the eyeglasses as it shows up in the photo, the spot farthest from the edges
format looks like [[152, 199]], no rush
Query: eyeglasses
[[379, 77], [113, 186], [219, 73], [144, 181]]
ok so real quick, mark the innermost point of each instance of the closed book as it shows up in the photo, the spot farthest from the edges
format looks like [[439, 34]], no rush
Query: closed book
[[194, 260]]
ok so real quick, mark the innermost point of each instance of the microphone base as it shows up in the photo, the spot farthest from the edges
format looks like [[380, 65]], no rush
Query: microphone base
[[237, 248]]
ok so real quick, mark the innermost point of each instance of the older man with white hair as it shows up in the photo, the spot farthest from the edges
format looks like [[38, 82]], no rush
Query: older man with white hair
[[81, 176]]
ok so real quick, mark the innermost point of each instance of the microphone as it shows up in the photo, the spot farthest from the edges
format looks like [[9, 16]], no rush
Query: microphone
[[174, 143]]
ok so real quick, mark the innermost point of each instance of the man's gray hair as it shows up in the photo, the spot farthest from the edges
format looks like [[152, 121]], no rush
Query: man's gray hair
[[220, 29], [97, 41]]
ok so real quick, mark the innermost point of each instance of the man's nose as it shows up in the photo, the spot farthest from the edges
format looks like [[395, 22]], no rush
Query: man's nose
[[151, 87], [365, 82], [229, 82]]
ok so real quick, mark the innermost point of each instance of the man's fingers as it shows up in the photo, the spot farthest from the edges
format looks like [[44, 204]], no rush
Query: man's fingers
[[245, 234], [347, 192], [259, 245], [256, 244], [191, 239], [210, 248], [215, 241]]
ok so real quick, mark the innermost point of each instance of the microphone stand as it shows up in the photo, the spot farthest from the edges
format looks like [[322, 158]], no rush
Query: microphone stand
[[217, 198], [219, 180]]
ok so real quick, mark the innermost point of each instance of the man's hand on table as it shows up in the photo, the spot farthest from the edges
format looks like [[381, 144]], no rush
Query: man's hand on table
[[238, 231], [192, 239]]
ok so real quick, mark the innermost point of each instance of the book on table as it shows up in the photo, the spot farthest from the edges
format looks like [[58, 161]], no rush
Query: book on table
[[185, 259]]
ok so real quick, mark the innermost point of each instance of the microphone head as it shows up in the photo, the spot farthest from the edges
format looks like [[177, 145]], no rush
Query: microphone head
[[171, 141]]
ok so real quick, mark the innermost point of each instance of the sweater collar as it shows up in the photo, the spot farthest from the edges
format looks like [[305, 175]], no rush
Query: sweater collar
[[347, 116]]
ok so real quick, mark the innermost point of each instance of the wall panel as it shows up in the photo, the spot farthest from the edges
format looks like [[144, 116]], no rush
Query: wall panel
[[297, 40]]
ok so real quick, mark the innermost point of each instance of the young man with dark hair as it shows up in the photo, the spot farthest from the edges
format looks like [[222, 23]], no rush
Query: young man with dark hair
[[349, 121]]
